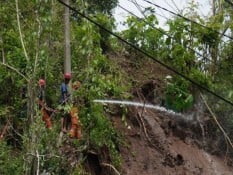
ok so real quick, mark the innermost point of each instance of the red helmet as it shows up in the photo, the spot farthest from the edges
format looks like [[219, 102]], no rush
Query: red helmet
[[42, 82], [67, 76]]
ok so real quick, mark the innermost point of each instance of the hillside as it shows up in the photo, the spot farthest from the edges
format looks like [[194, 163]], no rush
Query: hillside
[[169, 148], [159, 142], [81, 98]]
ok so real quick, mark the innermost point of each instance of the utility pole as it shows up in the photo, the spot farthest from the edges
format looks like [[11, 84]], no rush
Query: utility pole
[[67, 55]]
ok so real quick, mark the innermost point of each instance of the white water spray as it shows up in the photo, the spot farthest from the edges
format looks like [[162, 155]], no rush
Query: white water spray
[[138, 104]]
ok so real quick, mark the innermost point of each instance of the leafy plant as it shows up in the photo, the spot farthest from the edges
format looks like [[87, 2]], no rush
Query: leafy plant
[[9, 163], [177, 95]]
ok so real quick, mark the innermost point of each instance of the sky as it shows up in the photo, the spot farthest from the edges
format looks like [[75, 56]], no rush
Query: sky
[[172, 5]]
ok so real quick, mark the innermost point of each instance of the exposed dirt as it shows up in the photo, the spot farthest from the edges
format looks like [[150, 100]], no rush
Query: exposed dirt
[[158, 143], [165, 146]]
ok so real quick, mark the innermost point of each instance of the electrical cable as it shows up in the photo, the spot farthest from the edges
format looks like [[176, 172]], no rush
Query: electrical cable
[[175, 5], [187, 19], [161, 15], [138, 7], [164, 33], [145, 53], [170, 5]]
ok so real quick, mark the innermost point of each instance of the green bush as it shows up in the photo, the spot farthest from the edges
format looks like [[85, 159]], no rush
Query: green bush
[[10, 164], [178, 96]]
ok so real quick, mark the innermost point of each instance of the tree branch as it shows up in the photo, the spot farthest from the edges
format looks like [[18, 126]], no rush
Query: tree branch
[[216, 121], [14, 69], [38, 42], [20, 32]]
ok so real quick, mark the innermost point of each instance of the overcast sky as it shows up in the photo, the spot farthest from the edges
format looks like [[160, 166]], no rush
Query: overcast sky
[[172, 5]]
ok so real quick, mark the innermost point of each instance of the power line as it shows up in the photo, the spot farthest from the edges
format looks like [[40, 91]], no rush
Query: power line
[[187, 19], [170, 5], [139, 5], [145, 53], [164, 33]]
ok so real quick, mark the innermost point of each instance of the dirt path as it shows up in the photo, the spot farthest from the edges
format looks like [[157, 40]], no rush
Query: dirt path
[[170, 147]]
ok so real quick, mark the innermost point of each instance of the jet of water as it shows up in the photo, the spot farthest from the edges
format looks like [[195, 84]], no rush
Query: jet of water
[[138, 104]]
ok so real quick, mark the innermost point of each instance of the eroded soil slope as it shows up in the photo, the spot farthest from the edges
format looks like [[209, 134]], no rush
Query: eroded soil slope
[[158, 143]]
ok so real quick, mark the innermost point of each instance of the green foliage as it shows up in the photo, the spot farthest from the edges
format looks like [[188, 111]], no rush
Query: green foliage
[[99, 79], [107, 23], [42, 34], [102, 6], [142, 34], [42, 30], [79, 170], [99, 131], [174, 50], [200, 78], [11, 162], [5, 111], [40, 140], [177, 95], [102, 81]]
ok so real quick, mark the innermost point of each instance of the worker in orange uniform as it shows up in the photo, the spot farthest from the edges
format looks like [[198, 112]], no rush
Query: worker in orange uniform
[[70, 122], [42, 105]]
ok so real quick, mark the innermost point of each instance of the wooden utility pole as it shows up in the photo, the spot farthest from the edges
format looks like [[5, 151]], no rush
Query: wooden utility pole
[[67, 55]]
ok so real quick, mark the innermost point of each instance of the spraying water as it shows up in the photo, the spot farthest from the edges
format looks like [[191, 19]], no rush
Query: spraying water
[[138, 104]]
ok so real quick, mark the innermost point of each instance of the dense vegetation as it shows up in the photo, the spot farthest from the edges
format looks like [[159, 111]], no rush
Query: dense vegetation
[[31, 47]]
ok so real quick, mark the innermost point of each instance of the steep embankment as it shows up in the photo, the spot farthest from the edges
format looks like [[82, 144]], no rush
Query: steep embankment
[[158, 142]]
